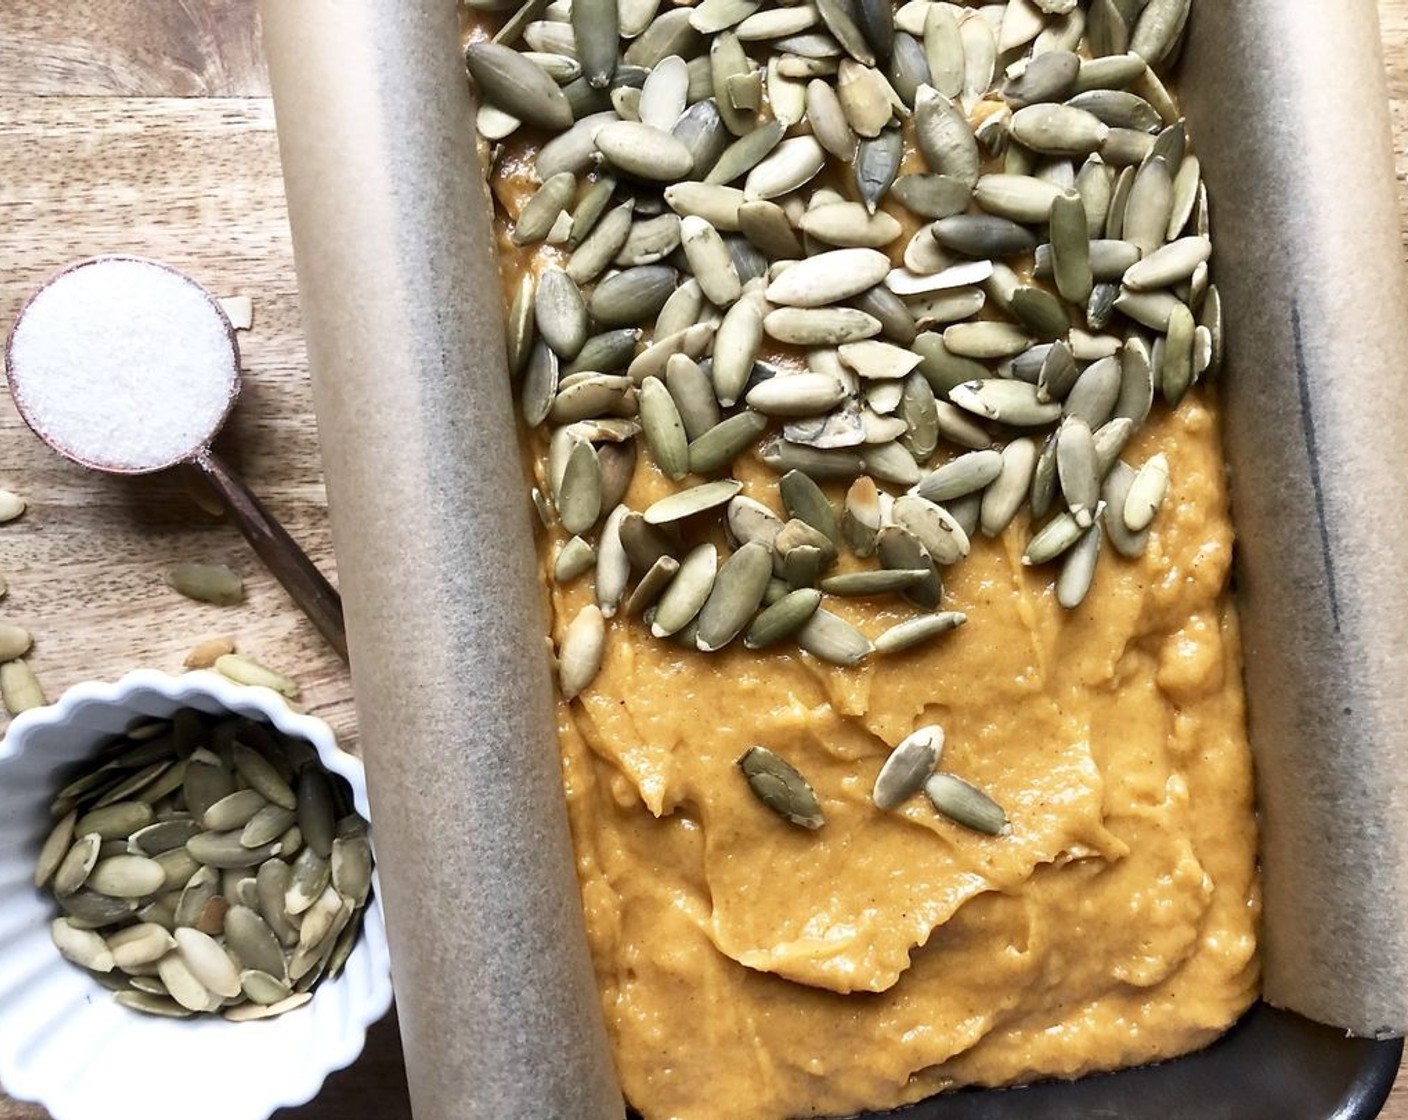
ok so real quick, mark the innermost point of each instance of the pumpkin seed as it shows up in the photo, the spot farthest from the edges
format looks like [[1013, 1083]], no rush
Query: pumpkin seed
[[765, 224], [1115, 495], [897, 321], [781, 787], [966, 805], [1168, 265], [874, 582], [738, 159], [796, 533], [944, 138], [651, 585], [263, 988], [1008, 402], [1078, 568], [574, 557], [77, 864], [898, 548], [126, 876], [207, 963], [233, 810], [864, 95], [19, 687], [1159, 29], [829, 278], [849, 225], [543, 208], [81, 946], [1077, 469], [963, 475], [580, 655], [1043, 491], [1150, 309], [163, 836], [632, 296], [642, 545], [934, 527], [710, 261], [150, 1003], [820, 326], [1054, 538], [804, 500], [309, 878], [651, 362], [1149, 207], [931, 195], [793, 163], [248, 1012], [874, 169], [1146, 493], [980, 50], [663, 429], [1174, 365], [776, 23], [600, 247], [832, 639], [799, 394], [512, 30], [55, 847], [890, 462], [983, 235], [1005, 494], [142, 944], [802, 565], [253, 943], [687, 592], [10, 506], [516, 85], [912, 632], [1047, 77], [908, 767], [243, 669], [725, 442], [1054, 129], [783, 618], [205, 583], [908, 68], [177, 867], [1095, 392], [1112, 72], [692, 501], [749, 520], [1022, 198], [267, 825], [735, 596]]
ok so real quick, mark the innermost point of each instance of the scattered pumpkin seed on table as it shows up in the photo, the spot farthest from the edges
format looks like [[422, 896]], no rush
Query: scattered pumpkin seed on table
[[733, 191]]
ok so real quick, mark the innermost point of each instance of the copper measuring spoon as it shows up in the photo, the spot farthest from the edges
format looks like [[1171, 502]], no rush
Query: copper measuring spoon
[[127, 366]]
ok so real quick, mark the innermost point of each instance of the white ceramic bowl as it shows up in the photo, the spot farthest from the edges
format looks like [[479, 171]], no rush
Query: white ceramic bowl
[[64, 1042]]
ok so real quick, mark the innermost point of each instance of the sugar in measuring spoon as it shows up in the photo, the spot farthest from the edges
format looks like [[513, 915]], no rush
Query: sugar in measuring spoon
[[127, 366]]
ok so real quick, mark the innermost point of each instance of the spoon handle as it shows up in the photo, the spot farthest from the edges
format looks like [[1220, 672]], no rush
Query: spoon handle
[[308, 586]]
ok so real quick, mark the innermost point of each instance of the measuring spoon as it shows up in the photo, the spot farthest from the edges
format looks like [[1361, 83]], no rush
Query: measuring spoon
[[127, 366]]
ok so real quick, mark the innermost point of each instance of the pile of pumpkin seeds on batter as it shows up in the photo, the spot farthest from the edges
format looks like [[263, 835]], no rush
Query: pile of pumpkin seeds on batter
[[207, 865], [946, 255]]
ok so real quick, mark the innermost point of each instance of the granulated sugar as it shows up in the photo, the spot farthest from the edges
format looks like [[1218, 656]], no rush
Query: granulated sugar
[[123, 365]]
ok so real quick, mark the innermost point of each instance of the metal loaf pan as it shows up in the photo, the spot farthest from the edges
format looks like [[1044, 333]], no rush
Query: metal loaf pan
[[1287, 109]]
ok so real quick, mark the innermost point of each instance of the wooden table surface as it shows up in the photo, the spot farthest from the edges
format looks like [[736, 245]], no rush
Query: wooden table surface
[[144, 126]]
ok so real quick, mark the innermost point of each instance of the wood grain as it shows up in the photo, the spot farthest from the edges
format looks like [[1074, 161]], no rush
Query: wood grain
[[141, 126], [142, 48]]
